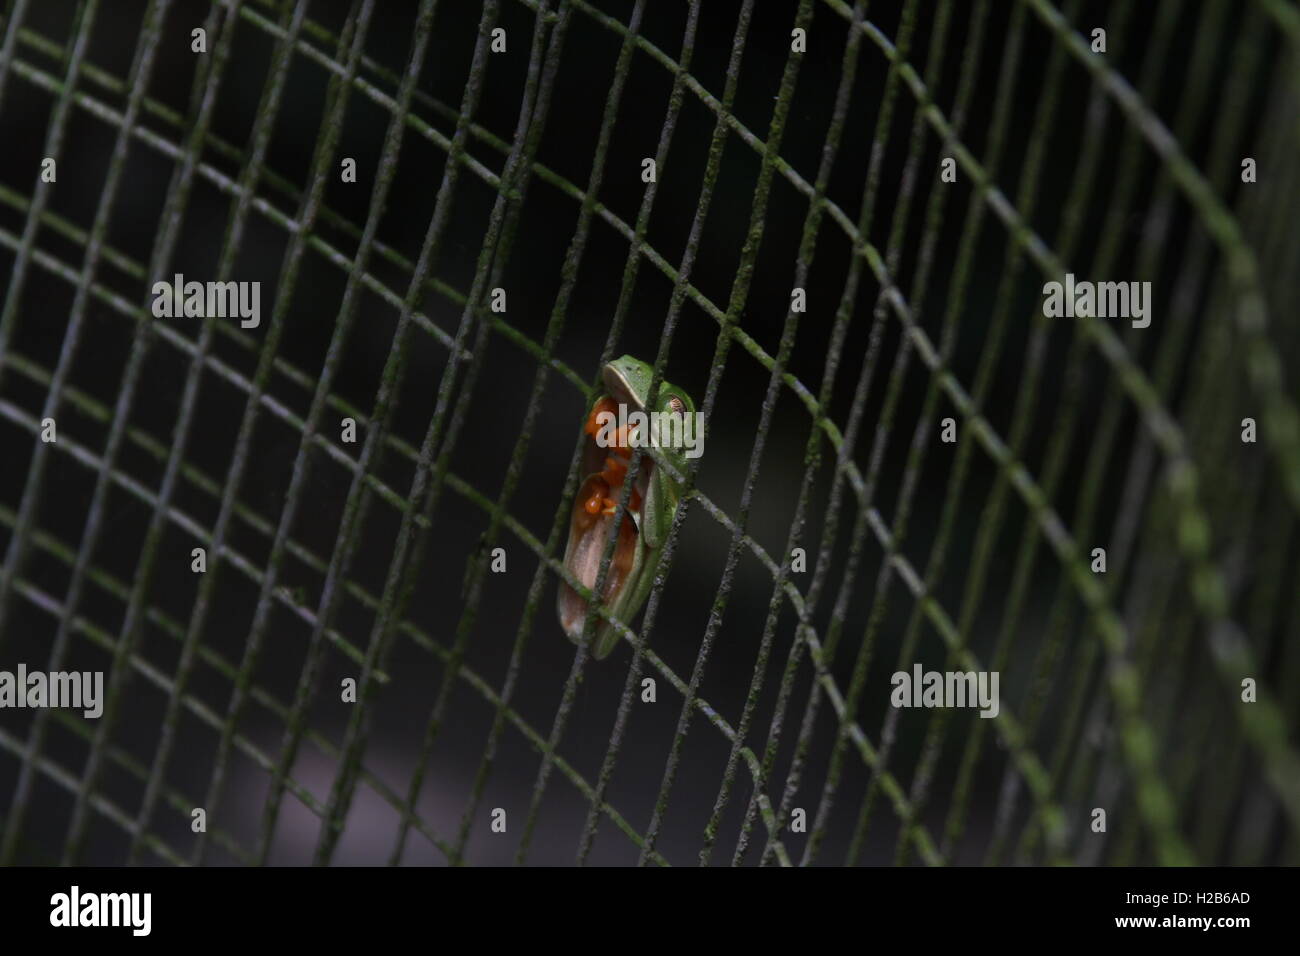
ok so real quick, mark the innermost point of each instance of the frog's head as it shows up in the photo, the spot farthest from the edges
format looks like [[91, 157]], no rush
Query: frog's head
[[627, 380]]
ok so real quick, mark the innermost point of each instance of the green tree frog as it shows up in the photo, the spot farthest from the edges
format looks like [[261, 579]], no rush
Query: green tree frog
[[617, 421]]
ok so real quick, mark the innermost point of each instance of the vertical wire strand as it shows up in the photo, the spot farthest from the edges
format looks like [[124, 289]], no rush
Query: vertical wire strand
[[386, 171], [1088, 499], [352, 40], [961, 277], [1156, 592], [359, 492], [848, 299], [560, 522], [704, 202], [989, 525], [1055, 458], [1208, 401], [1141, 461], [640, 651], [141, 70], [13, 559], [919, 446], [17, 14], [900, 220], [17, 812], [174, 206], [812, 456], [399, 569], [493, 254], [130, 630], [739, 295]]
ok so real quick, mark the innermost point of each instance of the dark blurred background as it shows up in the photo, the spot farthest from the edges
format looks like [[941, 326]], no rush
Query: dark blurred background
[[1224, 83]]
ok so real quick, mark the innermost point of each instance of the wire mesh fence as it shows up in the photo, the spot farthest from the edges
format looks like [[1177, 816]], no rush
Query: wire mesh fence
[[313, 550]]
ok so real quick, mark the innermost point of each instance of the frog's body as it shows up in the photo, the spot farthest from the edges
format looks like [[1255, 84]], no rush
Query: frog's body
[[652, 503]]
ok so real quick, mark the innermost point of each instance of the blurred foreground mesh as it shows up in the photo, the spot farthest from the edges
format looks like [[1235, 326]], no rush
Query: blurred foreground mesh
[[329, 560]]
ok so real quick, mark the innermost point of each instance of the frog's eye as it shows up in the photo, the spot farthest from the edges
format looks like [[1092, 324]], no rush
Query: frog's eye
[[676, 405]]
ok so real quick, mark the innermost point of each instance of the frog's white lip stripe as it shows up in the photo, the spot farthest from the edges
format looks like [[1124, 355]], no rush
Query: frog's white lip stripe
[[619, 388]]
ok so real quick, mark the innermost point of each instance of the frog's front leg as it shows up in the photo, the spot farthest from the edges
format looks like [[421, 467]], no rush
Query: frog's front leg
[[661, 499]]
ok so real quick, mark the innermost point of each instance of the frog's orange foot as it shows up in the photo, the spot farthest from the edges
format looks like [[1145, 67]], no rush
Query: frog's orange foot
[[593, 504]]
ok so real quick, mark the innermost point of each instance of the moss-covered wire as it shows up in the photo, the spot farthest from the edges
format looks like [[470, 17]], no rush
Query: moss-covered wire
[[812, 457], [53, 149], [992, 513], [359, 497], [431, 470], [907, 188], [1062, 439], [176, 630], [385, 172], [866, 216], [141, 344], [351, 41], [627, 288], [1161, 438]]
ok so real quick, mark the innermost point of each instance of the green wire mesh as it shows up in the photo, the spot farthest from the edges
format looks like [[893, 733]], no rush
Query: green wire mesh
[[1121, 691]]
